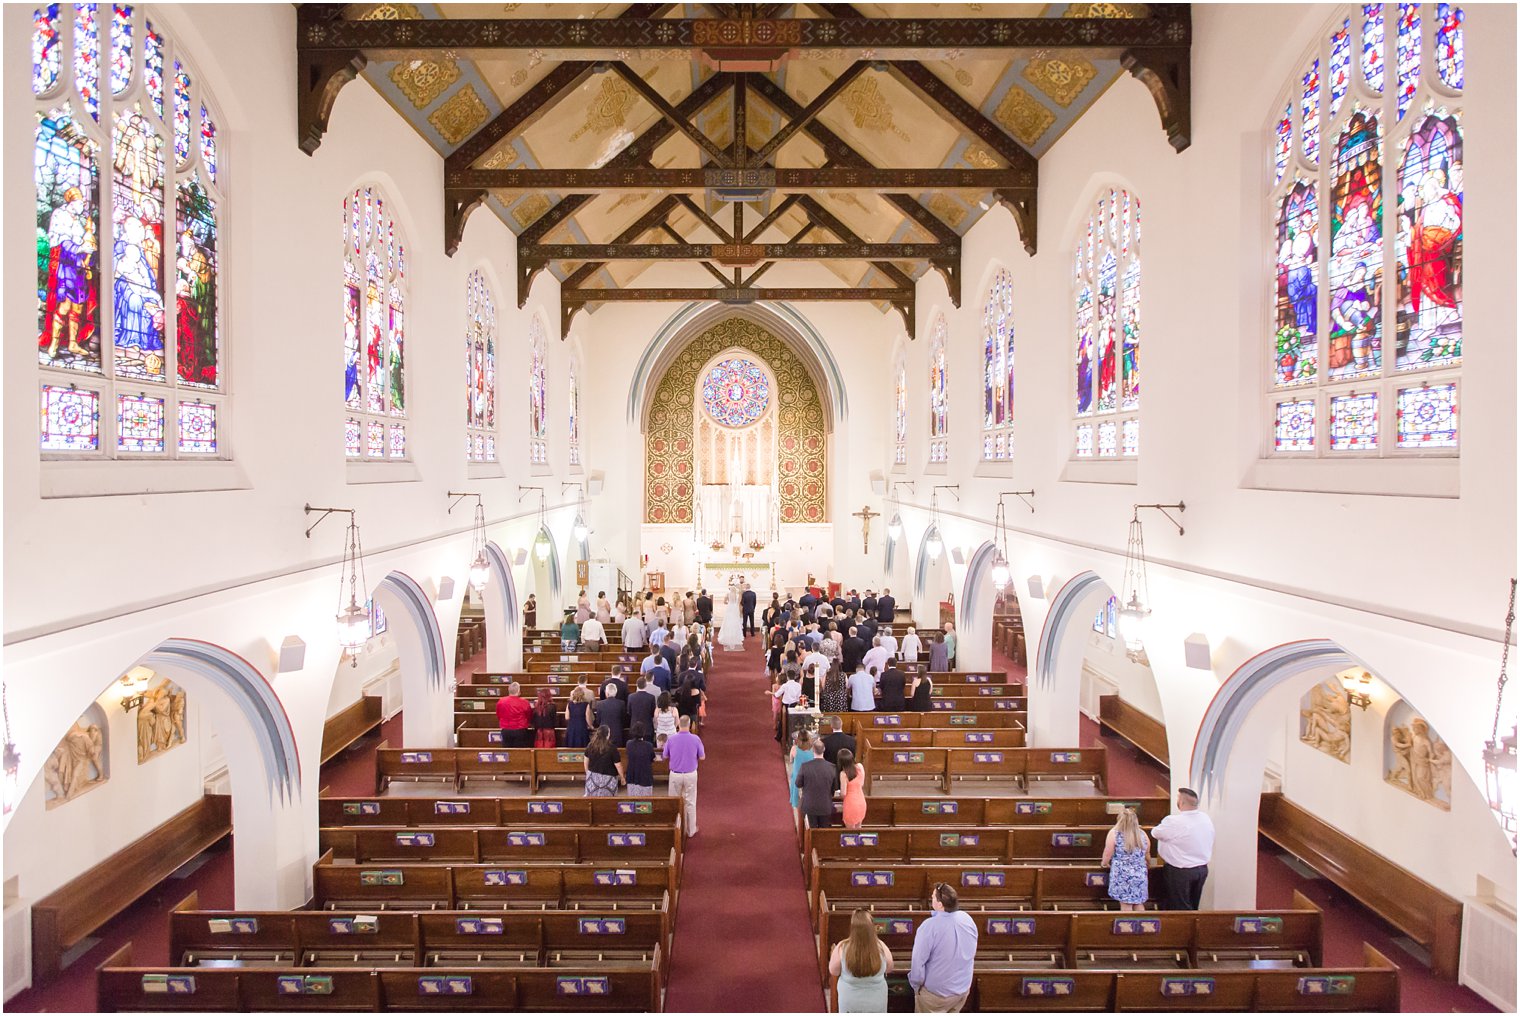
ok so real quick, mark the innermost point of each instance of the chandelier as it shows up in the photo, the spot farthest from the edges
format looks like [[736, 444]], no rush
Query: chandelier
[[355, 623], [480, 567], [1499, 752], [1134, 598]]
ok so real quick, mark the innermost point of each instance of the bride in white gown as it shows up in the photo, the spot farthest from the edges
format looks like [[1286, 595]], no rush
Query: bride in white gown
[[731, 635]]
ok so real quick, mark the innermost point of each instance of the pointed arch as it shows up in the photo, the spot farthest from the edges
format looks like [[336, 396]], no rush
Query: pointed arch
[[1055, 681], [503, 614], [427, 706]]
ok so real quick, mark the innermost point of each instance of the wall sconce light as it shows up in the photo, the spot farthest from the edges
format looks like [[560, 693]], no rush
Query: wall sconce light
[[133, 686], [355, 625], [935, 545], [1001, 574], [580, 530], [1134, 600], [1357, 682], [1499, 768], [895, 527], [480, 568]]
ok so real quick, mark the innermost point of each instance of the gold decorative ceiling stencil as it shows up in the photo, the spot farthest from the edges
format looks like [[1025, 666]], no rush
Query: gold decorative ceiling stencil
[[422, 81], [978, 157], [947, 209], [1061, 79], [869, 108], [1104, 11], [529, 209], [503, 157], [1023, 116], [391, 12], [459, 117], [609, 108]]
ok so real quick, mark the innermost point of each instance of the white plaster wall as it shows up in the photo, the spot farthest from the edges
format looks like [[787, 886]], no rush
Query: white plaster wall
[[93, 583]]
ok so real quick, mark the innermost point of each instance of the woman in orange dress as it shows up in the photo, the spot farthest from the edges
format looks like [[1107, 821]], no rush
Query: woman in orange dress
[[852, 780]]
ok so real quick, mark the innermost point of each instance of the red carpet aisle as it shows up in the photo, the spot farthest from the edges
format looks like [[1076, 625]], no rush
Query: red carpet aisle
[[743, 941]]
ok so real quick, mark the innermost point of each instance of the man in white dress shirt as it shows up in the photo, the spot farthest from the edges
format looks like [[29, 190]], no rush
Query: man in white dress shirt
[[1185, 841], [876, 657]]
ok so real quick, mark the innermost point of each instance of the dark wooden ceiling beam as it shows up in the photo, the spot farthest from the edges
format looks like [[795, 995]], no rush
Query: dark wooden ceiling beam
[[796, 239], [734, 294], [810, 113], [320, 75], [791, 250], [884, 38], [671, 114], [706, 220], [657, 213], [781, 208], [835, 178], [1167, 73], [831, 222]]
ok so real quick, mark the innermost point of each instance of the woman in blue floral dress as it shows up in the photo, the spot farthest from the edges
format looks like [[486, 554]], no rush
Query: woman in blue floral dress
[[1125, 854]]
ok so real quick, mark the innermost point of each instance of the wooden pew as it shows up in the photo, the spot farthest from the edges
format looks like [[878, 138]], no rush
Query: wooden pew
[[408, 811], [1148, 735], [931, 737], [1406, 901], [415, 765], [349, 724], [391, 887], [855, 723], [67, 915], [946, 765], [217, 938], [515, 885], [456, 766], [846, 885], [959, 843], [121, 987]]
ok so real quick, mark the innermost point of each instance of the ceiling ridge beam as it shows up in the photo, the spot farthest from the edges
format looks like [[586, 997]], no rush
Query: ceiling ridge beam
[[684, 250], [860, 178]]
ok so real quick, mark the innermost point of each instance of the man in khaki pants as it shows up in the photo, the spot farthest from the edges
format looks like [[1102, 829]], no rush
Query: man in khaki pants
[[944, 951], [683, 750]]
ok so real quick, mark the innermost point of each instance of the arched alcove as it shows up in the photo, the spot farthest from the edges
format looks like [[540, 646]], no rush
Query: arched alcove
[[427, 707], [1231, 751], [503, 614], [1055, 677], [973, 611], [932, 580]]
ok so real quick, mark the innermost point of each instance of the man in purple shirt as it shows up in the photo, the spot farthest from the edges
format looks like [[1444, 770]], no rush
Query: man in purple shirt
[[944, 952], [683, 750]]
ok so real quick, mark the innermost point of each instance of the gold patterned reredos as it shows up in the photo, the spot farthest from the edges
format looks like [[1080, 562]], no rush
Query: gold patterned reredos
[[1062, 80], [458, 118], [609, 108], [1022, 115], [802, 454], [422, 81], [869, 108]]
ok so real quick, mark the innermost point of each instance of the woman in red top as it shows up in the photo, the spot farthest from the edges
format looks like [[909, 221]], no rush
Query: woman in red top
[[514, 715]]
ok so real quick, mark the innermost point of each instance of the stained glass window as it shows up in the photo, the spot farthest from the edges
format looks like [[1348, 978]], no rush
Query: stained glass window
[[1450, 63], [353, 432], [480, 366], [45, 49], [736, 392], [1108, 328], [157, 351], [70, 419], [1356, 249], [139, 423], [121, 48], [1296, 286], [538, 395], [374, 325], [1373, 63], [153, 69], [1430, 244], [197, 428], [68, 282], [181, 114], [1309, 105], [1427, 416], [87, 58], [1340, 66], [1107, 621], [997, 369], [575, 413], [1354, 422], [939, 396], [1383, 176], [208, 143], [900, 414], [1294, 428], [1408, 54], [137, 256]]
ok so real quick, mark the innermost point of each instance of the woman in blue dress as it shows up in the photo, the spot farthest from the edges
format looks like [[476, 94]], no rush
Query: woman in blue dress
[[577, 734], [802, 751], [1125, 855]]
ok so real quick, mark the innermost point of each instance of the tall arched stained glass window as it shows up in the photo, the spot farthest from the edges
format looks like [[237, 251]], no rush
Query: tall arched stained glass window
[[1106, 299], [538, 395], [575, 412], [128, 242], [900, 414], [1381, 207], [374, 329], [997, 369], [480, 370], [939, 395]]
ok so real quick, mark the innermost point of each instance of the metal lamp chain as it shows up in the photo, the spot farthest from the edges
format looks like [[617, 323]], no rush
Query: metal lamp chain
[[1509, 629]]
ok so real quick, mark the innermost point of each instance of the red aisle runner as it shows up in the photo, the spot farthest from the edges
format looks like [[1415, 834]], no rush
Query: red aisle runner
[[743, 940]]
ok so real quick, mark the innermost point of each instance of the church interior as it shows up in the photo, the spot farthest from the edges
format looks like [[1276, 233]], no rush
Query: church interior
[[740, 289]]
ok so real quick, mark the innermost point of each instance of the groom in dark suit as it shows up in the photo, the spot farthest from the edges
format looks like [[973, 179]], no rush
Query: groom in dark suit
[[704, 608], [747, 604]]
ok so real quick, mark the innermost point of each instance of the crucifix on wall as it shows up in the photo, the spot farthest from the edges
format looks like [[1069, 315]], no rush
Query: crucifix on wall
[[865, 515]]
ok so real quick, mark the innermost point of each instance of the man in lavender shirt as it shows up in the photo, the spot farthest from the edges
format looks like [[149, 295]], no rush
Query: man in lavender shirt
[[944, 951], [683, 750]]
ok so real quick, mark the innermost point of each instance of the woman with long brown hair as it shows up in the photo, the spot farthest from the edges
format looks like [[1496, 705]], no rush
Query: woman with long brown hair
[[545, 718], [862, 963], [852, 784], [604, 765]]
